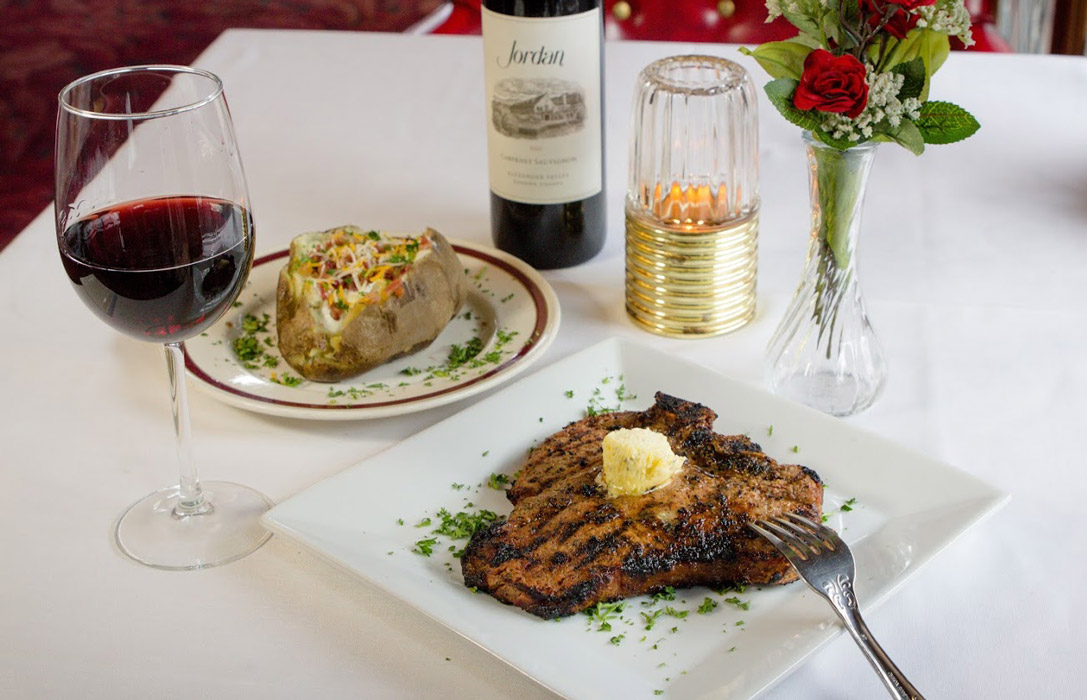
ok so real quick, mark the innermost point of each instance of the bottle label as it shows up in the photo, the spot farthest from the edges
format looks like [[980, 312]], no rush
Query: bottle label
[[542, 78]]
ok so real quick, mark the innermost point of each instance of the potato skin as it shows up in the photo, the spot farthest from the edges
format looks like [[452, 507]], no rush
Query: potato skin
[[435, 289]]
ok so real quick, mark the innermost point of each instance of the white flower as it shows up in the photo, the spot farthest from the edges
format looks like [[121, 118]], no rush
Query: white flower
[[883, 104], [947, 17]]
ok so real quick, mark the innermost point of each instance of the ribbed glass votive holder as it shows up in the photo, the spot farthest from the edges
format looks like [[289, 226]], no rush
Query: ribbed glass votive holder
[[692, 198]]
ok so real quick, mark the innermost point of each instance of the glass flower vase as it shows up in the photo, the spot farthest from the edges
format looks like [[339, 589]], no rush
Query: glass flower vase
[[824, 353]]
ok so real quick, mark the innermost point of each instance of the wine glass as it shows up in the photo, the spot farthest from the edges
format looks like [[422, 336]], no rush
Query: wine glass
[[156, 236]]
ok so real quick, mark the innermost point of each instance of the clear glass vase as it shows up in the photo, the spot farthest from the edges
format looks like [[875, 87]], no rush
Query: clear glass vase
[[824, 352]]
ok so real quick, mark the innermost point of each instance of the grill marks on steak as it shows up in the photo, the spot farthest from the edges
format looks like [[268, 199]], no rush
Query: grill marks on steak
[[566, 546]]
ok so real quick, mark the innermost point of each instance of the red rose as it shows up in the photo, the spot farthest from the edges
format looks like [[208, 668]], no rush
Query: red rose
[[832, 83], [899, 23]]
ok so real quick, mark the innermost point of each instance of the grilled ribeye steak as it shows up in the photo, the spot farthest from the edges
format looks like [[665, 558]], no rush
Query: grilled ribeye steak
[[566, 546]]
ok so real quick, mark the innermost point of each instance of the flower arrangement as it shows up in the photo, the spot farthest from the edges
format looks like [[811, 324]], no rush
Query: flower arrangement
[[859, 70], [858, 73]]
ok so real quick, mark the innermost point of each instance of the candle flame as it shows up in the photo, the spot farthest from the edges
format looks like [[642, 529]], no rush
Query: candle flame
[[695, 204]]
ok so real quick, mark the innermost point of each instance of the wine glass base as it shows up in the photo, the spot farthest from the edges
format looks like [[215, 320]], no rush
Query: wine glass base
[[151, 533]]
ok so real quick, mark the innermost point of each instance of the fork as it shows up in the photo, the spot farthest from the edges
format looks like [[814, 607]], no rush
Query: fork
[[825, 563]]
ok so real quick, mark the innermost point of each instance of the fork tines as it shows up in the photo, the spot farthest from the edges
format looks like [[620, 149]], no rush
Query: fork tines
[[802, 536]]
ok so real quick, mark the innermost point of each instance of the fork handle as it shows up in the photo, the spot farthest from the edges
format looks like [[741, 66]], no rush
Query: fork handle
[[891, 676]]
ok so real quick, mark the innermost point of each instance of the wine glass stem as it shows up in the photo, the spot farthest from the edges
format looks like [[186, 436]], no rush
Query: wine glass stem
[[190, 500]]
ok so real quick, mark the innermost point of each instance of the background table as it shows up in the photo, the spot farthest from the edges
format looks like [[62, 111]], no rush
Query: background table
[[974, 264]]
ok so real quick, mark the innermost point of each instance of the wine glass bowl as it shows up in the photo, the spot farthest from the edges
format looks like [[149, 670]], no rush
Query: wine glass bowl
[[160, 268], [156, 236]]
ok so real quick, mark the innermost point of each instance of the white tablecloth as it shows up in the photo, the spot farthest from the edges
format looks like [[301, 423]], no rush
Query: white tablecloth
[[973, 261]]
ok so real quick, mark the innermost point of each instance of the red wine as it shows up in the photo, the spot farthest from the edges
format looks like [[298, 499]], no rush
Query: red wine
[[545, 138], [160, 269]]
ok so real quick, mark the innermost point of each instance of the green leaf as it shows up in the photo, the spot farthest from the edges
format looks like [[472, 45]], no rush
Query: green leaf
[[780, 92], [930, 46], [781, 59], [801, 20], [907, 135], [938, 48], [943, 122], [810, 40], [913, 73], [840, 144]]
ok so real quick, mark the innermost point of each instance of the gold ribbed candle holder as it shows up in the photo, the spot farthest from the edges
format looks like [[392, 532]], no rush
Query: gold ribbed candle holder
[[693, 198], [690, 280]]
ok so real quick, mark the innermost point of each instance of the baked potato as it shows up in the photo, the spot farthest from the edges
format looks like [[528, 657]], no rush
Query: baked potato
[[349, 300]]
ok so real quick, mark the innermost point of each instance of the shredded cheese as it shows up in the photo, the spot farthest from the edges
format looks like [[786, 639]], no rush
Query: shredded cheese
[[338, 269]]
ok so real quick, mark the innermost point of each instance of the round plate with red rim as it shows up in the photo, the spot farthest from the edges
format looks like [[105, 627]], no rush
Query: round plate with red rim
[[509, 320]]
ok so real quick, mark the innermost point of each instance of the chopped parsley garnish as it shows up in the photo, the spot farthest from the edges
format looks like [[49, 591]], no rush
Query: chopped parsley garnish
[[468, 356], [252, 324], [569, 393], [456, 526], [708, 606], [460, 355], [247, 347], [741, 604], [497, 481], [651, 618], [603, 613], [463, 525], [599, 405], [425, 546], [844, 508], [672, 612]]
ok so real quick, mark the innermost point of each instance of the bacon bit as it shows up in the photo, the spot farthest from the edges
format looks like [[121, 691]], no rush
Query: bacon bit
[[357, 263]]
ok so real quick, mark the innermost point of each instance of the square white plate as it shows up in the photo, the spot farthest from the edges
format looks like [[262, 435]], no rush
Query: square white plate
[[908, 507]]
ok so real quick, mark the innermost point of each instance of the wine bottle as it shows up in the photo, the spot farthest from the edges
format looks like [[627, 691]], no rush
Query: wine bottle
[[545, 138]]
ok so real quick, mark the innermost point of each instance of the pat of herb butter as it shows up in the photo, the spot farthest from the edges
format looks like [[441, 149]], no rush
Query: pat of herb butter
[[636, 461]]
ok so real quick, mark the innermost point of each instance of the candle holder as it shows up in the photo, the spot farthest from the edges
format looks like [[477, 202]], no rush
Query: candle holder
[[692, 201]]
